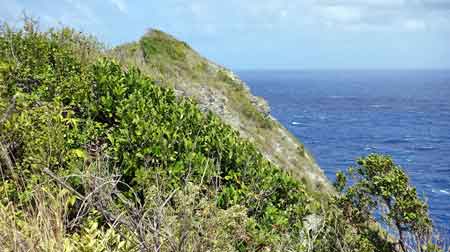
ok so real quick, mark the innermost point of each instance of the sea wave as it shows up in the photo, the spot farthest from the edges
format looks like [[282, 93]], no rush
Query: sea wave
[[424, 148], [379, 106], [444, 192], [370, 148], [294, 123], [342, 97], [397, 141], [441, 191]]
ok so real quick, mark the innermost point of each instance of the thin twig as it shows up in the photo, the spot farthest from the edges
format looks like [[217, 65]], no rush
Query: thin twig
[[62, 183]]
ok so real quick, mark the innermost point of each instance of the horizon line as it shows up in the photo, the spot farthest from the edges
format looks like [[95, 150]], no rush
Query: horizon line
[[237, 69]]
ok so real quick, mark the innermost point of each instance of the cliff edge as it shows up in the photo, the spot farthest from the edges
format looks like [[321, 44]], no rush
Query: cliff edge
[[174, 63]]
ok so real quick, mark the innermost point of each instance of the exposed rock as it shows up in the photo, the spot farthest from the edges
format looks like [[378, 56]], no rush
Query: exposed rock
[[261, 105], [179, 93]]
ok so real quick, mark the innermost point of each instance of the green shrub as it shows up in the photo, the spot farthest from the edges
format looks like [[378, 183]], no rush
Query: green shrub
[[380, 186]]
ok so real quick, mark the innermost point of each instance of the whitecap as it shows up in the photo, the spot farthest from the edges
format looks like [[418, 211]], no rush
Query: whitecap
[[342, 97], [296, 123], [396, 141], [444, 192], [409, 138], [379, 106], [424, 148]]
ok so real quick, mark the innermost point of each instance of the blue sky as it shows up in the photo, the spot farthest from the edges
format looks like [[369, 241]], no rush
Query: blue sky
[[268, 34]]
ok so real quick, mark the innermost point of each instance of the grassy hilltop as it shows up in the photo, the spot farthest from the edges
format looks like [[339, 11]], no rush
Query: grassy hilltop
[[150, 147]]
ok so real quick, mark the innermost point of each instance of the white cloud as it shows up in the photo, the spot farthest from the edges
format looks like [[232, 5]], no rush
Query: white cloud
[[120, 5], [364, 3], [214, 16], [399, 15], [355, 15], [436, 4], [414, 25], [341, 14]]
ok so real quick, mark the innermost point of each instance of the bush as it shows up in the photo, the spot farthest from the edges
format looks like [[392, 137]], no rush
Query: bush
[[380, 186]]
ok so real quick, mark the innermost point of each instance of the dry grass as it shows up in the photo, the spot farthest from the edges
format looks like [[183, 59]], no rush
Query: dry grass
[[39, 227], [178, 220]]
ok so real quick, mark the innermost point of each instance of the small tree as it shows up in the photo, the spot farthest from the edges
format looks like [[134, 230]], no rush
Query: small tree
[[381, 186]]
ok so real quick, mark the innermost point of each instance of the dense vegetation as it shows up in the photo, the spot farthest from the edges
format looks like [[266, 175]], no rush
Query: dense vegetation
[[96, 157], [172, 63]]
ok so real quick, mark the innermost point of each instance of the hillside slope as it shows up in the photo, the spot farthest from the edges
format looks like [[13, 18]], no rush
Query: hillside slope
[[219, 90], [95, 156]]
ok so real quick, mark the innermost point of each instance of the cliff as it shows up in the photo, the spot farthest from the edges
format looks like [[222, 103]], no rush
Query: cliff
[[217, 89]]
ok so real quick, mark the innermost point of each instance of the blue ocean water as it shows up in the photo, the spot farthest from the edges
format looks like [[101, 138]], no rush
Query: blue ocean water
[[342, 115]]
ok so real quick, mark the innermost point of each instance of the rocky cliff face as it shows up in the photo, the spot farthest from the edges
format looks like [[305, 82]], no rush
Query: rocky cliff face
[[220, 91]]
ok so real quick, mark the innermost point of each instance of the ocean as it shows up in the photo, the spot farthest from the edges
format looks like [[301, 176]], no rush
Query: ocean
[[342, 115]]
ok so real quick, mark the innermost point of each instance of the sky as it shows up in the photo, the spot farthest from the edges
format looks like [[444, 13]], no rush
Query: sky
[[267, 34]]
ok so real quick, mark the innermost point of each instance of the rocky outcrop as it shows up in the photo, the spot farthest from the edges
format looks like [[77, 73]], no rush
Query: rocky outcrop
[[261, 105]]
